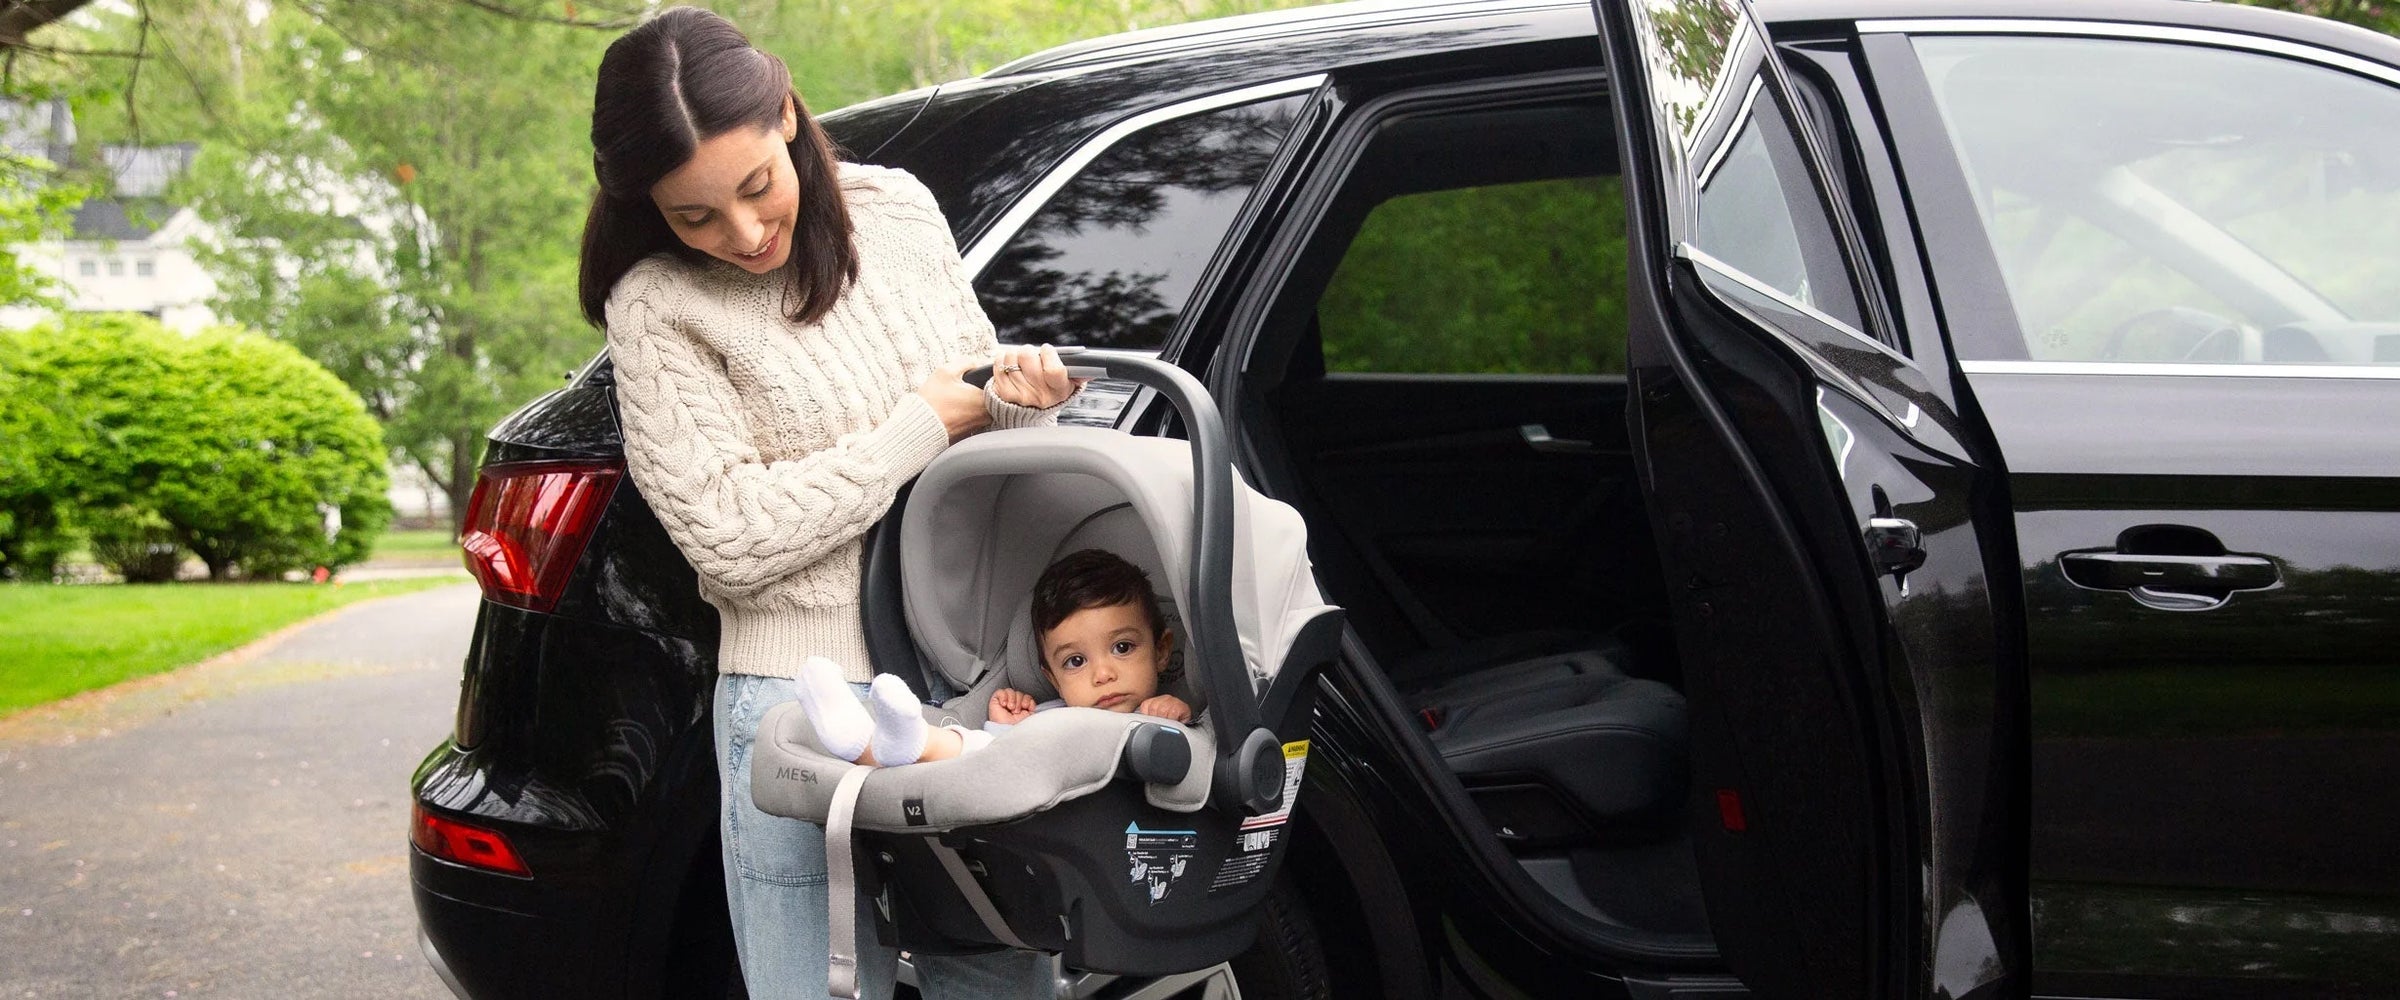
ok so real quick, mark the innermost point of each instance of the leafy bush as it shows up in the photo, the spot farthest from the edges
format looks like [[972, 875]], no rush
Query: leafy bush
[[226, 443], [33, 490]]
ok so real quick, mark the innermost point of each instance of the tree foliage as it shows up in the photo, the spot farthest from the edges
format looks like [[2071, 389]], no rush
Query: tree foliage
[[402, 183], [1512, 278], [35, 436], [227, 443]]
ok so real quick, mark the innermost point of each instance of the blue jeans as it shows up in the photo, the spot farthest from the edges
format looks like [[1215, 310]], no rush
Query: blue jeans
[[775, 887]]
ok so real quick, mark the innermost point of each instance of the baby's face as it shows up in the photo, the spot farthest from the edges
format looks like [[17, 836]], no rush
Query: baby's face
[[1105, 657]]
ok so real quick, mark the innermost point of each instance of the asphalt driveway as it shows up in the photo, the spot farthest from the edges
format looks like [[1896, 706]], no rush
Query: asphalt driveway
[[237, 829]]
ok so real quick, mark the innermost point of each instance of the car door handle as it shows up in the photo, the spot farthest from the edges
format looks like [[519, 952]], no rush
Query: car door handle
[[1537, 437], [2170, 583], [1896, 545]]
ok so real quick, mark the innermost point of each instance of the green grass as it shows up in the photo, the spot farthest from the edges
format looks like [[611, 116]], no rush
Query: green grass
[[64, 640], [418, 545]]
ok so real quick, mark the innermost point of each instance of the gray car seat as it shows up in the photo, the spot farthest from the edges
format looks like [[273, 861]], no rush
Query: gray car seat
[[1562, 747], [1127, 844]]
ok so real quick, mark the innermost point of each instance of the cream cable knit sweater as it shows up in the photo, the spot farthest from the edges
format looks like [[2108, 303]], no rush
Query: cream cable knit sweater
[[767, 448]]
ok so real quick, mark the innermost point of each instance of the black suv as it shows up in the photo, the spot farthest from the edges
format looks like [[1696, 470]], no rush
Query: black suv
[[1869, 498]]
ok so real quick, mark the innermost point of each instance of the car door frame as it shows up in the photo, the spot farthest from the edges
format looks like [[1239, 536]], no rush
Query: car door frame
[[1933, 747], [1499, 929]]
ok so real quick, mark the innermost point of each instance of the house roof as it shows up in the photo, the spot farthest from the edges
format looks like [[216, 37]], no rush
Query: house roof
[[121, 218]]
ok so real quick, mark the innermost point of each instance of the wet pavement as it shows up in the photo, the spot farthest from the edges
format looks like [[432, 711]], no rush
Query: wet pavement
[[234, 829]]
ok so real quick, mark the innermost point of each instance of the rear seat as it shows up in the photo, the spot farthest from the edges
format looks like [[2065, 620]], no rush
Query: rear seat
[[1555, 741]]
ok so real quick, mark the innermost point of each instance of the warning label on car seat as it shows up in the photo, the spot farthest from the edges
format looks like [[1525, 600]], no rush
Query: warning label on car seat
[[1155, 859], [1254, 843]]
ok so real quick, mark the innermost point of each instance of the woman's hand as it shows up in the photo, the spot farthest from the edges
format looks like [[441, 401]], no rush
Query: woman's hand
[[1031, 376], [1010, 706], [1168, 707], [958, 404]]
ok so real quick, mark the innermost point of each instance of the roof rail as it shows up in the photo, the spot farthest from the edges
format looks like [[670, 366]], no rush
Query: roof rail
[[1246, 27]]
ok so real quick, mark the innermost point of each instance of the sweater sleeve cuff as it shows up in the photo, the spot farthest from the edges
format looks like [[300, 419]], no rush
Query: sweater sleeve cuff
[[1008, 416], [907, 439]]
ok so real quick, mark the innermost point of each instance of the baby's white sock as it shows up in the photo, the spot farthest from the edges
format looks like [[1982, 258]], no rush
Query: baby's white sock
[[900, 728], [842, 724]]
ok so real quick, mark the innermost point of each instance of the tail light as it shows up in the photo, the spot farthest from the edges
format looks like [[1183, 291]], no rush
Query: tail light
[[527, 524], [474, 846]]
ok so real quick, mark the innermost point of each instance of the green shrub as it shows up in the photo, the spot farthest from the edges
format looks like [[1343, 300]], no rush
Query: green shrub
[[225, 443], [137, 544], [34, 492]]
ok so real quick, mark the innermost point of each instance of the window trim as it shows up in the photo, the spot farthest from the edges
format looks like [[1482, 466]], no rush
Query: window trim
[[2137, 32], [1038, 196], [1695, 255], [2178, 368]]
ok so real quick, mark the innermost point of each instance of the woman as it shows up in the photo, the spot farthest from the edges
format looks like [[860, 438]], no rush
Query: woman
[[789, 334]]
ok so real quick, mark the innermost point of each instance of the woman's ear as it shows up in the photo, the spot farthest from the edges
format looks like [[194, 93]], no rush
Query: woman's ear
[[791, 117]]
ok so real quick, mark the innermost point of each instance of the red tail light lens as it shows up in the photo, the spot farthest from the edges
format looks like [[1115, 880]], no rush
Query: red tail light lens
[[527, 524], [474, 846]]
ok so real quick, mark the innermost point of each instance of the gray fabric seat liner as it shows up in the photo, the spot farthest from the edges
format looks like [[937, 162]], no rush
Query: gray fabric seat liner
[[1612, 744]]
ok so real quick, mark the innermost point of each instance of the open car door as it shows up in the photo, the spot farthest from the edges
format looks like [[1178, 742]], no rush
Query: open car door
[[1834, 540]]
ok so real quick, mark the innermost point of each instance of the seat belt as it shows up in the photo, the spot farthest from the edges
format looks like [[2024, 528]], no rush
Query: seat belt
[[976, 898], [841, 887]]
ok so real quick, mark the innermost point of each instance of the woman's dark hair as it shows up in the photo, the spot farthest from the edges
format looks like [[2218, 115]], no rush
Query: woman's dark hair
[[681, 79], [1092, 578]]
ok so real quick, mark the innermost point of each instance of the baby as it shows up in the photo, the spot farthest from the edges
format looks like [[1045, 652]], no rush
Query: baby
[[1103, 644]]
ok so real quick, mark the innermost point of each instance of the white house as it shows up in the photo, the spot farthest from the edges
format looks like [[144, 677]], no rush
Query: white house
[[126, 255], [128, 251]]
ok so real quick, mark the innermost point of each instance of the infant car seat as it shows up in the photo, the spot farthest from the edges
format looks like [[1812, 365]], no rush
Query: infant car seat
[[1126, 844]]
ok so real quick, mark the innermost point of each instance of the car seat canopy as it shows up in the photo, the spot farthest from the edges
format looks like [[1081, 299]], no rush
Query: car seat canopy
[[993, 512]]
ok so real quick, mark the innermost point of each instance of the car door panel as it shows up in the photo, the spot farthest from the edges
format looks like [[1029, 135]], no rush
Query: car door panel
[[2199, 763], [2206, 552], [1479, 495]]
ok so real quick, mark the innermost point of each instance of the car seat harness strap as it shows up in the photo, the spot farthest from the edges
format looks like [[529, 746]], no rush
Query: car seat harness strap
[[841, 886]]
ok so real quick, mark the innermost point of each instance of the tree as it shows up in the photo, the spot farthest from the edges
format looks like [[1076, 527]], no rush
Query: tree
[[34, 491], [403, 202], [226, 443], [402, 184]]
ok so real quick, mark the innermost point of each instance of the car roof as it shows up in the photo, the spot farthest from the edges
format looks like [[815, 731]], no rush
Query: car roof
[[1251, 30]]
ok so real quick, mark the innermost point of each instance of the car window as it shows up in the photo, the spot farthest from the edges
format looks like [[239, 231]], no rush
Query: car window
[[1524, 278], [2197, 204], [1760, 214], [1112, 258]]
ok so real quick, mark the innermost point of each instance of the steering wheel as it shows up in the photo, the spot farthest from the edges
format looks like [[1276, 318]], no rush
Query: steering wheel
[[2209, 333]]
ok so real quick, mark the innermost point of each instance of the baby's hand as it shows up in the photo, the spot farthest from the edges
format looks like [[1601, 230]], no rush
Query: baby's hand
[[1010, 706], [1167, 706]]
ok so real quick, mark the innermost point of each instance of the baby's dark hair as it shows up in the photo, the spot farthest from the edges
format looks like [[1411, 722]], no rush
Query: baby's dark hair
[[1092, 578]]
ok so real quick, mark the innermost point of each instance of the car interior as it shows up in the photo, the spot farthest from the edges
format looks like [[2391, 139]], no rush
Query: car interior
[[1439, 380]]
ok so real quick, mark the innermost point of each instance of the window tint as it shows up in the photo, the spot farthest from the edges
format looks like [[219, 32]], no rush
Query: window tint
[[1525, 278], [2200, 204], [1760, 214], [1112, 258]]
